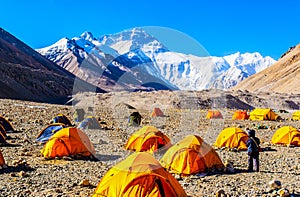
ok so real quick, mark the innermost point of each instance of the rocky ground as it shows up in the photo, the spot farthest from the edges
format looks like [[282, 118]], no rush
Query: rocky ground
[[29, 174]]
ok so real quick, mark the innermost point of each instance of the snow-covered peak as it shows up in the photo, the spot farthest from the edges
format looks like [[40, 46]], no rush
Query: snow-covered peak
[[197, 73], [140, 53], [132, 39], [81, 46], [87, 36], [252, 62], [60, 46]]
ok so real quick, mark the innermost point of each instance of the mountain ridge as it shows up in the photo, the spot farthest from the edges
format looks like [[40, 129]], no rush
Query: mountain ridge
[[176, 70], [27, 75], [279, 77]]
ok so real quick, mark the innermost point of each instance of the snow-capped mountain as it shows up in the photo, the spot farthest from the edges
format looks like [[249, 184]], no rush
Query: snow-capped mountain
[[241, 66], [134, 57], [135, 38], [101, 65]]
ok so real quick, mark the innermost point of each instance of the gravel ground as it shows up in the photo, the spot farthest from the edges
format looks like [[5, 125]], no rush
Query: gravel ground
[[29, 174]]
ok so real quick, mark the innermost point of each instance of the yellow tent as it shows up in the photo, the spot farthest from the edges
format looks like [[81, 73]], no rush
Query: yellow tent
[[263, 114], [232, 137], [68, 142], [286, 135], [240, 115], [214, 114], [139, 175], [296, 115], [191, 155], [148, 138], [2, 161]]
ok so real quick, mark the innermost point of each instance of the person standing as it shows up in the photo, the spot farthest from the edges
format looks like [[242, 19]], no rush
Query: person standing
[[253, 149]]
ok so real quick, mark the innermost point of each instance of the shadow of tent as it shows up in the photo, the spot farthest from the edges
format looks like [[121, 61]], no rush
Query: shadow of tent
[[238, 171], [216, 173], [16, 131], [278, 172], [9, 145], [107, 157], [14, 169]]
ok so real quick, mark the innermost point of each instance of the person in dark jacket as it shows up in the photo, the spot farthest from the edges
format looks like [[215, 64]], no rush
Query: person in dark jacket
[[253, 151]]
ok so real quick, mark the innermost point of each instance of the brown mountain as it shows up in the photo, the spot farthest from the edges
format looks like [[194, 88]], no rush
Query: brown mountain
[[281, 77], [27, 75]]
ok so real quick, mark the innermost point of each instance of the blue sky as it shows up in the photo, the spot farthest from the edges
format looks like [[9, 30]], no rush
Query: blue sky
[[221, 27]]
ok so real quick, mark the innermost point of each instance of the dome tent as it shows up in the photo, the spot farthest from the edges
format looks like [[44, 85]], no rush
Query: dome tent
[[139, 175], [135, 119], [296, 115], [2, 161], [6, 125], [286, 135], [214, 114], [232, 137], [60, 118], [68, 142], [263, 114], [157, 112], [240, 115], [190, 156], [48, 131], [148, 138]]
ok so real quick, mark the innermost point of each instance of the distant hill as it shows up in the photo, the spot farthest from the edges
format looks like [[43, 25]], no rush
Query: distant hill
[[281, 77], [27, 75]]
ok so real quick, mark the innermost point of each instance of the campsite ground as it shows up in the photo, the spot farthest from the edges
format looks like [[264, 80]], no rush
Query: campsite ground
[[29, 174]]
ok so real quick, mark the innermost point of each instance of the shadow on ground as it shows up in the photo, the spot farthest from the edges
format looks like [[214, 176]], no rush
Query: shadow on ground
[[107, 157], [15, 169]]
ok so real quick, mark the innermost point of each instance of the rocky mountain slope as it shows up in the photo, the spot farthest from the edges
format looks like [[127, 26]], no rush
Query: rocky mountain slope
[[124, 57], [27, 75], [281, 77]]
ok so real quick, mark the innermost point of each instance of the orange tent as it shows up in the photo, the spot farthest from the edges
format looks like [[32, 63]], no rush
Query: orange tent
[[240, 115], [68, 142], [2, 161], [148, 138], [6, 124], [191, 155], [214, 114], [139, 175], [157, 113], [232, 137], [286, 135]]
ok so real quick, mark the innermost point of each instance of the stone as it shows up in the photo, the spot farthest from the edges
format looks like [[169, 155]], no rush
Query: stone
[[228, 167], [84, 183], [22, 174]]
